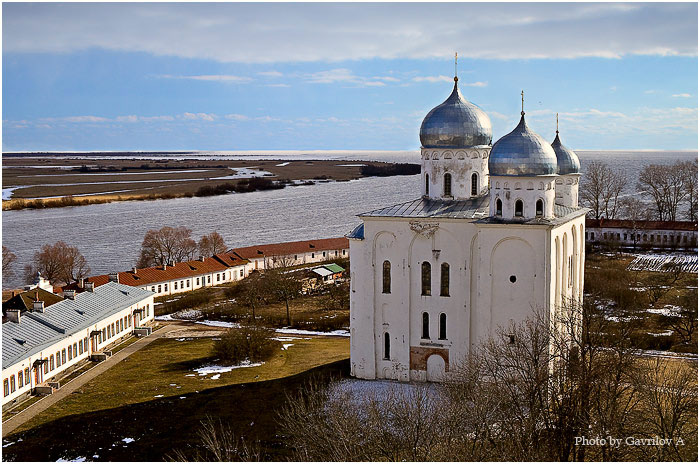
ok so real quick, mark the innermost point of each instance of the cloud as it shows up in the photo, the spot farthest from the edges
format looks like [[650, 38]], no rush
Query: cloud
[[270, 73], [339, 31], [681, 95], [432, 79], [237, 117], [199, 116], [211, 77], [344, 75]]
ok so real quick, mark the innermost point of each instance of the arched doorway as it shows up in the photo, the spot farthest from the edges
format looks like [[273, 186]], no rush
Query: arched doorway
[[435, 368]]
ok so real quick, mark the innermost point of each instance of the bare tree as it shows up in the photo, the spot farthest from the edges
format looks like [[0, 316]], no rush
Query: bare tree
[[686, 324], [601, 188], [59, 263], [690, 170], [165, 245], [250, 291], [8, 259], [219, 443], [212, 244], [667, 186], [280, 281]]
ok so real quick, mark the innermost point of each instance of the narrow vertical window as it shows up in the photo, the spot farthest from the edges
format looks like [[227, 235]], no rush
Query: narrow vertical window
[[387, 346], [539, 208], [443, 327], [20, 379], [426, 326], [6, 387], [499, 207], [519, 208], [427, 185], [52, 364], [475, 181], [386, 277], [445, 279], [448, 185], [425, 278]]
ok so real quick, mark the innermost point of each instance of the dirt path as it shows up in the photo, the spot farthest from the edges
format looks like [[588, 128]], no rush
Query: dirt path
[[11, 424]]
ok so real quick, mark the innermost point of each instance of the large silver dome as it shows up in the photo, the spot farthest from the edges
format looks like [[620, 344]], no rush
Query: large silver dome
[[522, 153], [567, 160], [455, 123]]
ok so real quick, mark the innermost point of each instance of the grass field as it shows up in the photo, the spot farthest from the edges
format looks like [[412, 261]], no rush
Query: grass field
[[165, 367]]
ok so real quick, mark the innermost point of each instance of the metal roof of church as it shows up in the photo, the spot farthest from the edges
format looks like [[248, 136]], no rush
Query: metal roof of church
[[37, 331], [473, 208]]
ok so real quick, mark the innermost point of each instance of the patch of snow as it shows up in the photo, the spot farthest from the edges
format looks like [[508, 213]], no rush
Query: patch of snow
[[158, 396], [664, 263], [220, 324], [78, 459], [183, 397], [334, 333], [8, 444], [183, 315], [128, 440], [287, 345], [665, 333], [667, 310], [669, 354], [215, 377], [216, 369], [189, 375], [173, 385], [350, 165], [282, 164]]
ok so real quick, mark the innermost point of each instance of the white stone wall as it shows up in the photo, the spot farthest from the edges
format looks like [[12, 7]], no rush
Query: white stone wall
[[510, 189], [296, 259], [567, 190], [461, 164], [643, 237], [212, 279]]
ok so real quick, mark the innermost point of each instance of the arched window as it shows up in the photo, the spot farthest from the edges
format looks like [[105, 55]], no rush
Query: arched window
[[475, 181], [499, 207], [427, 185], [425, 278], [52, 365], [445, 279], [386, 277], [539, 208], [387, 346], [426, 326], [519, 208], [443, 327], [448, 185]]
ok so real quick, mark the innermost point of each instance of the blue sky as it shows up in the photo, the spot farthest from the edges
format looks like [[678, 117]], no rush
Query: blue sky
[[262, 76]]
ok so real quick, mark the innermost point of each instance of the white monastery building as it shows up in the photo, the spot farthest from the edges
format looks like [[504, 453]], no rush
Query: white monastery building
[[495, 233]]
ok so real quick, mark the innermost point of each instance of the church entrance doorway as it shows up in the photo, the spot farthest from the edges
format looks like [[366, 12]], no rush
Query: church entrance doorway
[[435, 368]]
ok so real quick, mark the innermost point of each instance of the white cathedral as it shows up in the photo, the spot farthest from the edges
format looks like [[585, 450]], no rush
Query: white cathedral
[[496, 233]]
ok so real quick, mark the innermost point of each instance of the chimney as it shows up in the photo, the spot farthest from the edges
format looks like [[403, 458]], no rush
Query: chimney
[[171, 263], [165, 266], [70, 294], [133, 270], [90, 286], [38, 306], [114, 277], [201, 258], [13, 315], [81, 282]]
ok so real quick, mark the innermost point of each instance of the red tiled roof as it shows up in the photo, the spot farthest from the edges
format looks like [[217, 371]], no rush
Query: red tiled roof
[[157, 274], [230, 259], [289, 248], [647, 225]]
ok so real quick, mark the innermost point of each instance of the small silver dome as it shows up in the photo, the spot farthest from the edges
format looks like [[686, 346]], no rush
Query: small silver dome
[[567, 160], [522, 153], [455, 123]]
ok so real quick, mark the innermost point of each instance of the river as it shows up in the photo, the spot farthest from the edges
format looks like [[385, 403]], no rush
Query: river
[[110, 235]]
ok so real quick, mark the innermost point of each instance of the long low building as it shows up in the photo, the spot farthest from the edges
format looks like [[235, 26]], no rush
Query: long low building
[[652, 234], [40, 344], [171, 279], [294, 253]]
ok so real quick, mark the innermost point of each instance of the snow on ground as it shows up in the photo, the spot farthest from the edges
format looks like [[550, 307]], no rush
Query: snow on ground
[[661, 263], [184, 315], [219, 324], [128, 440], [217, 369], [158, 396], [351, 165], [215, 377], [667, 310], [78, 459], [287, 345], [669, 354], [665, 333], [335, 333], [282, 164]]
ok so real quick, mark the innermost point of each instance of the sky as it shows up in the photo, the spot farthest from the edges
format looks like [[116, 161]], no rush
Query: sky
[[340, 76]]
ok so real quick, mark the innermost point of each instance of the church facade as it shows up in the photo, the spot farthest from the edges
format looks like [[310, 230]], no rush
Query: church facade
[[494, 234]]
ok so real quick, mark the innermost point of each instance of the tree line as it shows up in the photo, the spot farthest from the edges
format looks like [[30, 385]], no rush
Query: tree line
[[672, 190], [61, 263]]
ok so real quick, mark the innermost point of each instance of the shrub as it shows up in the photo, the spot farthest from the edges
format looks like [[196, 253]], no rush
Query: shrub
[[189, 301], [254, 343]]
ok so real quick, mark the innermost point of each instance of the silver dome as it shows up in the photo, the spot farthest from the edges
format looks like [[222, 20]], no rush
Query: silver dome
[[455, 123], [567, 160], [522, 153]]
